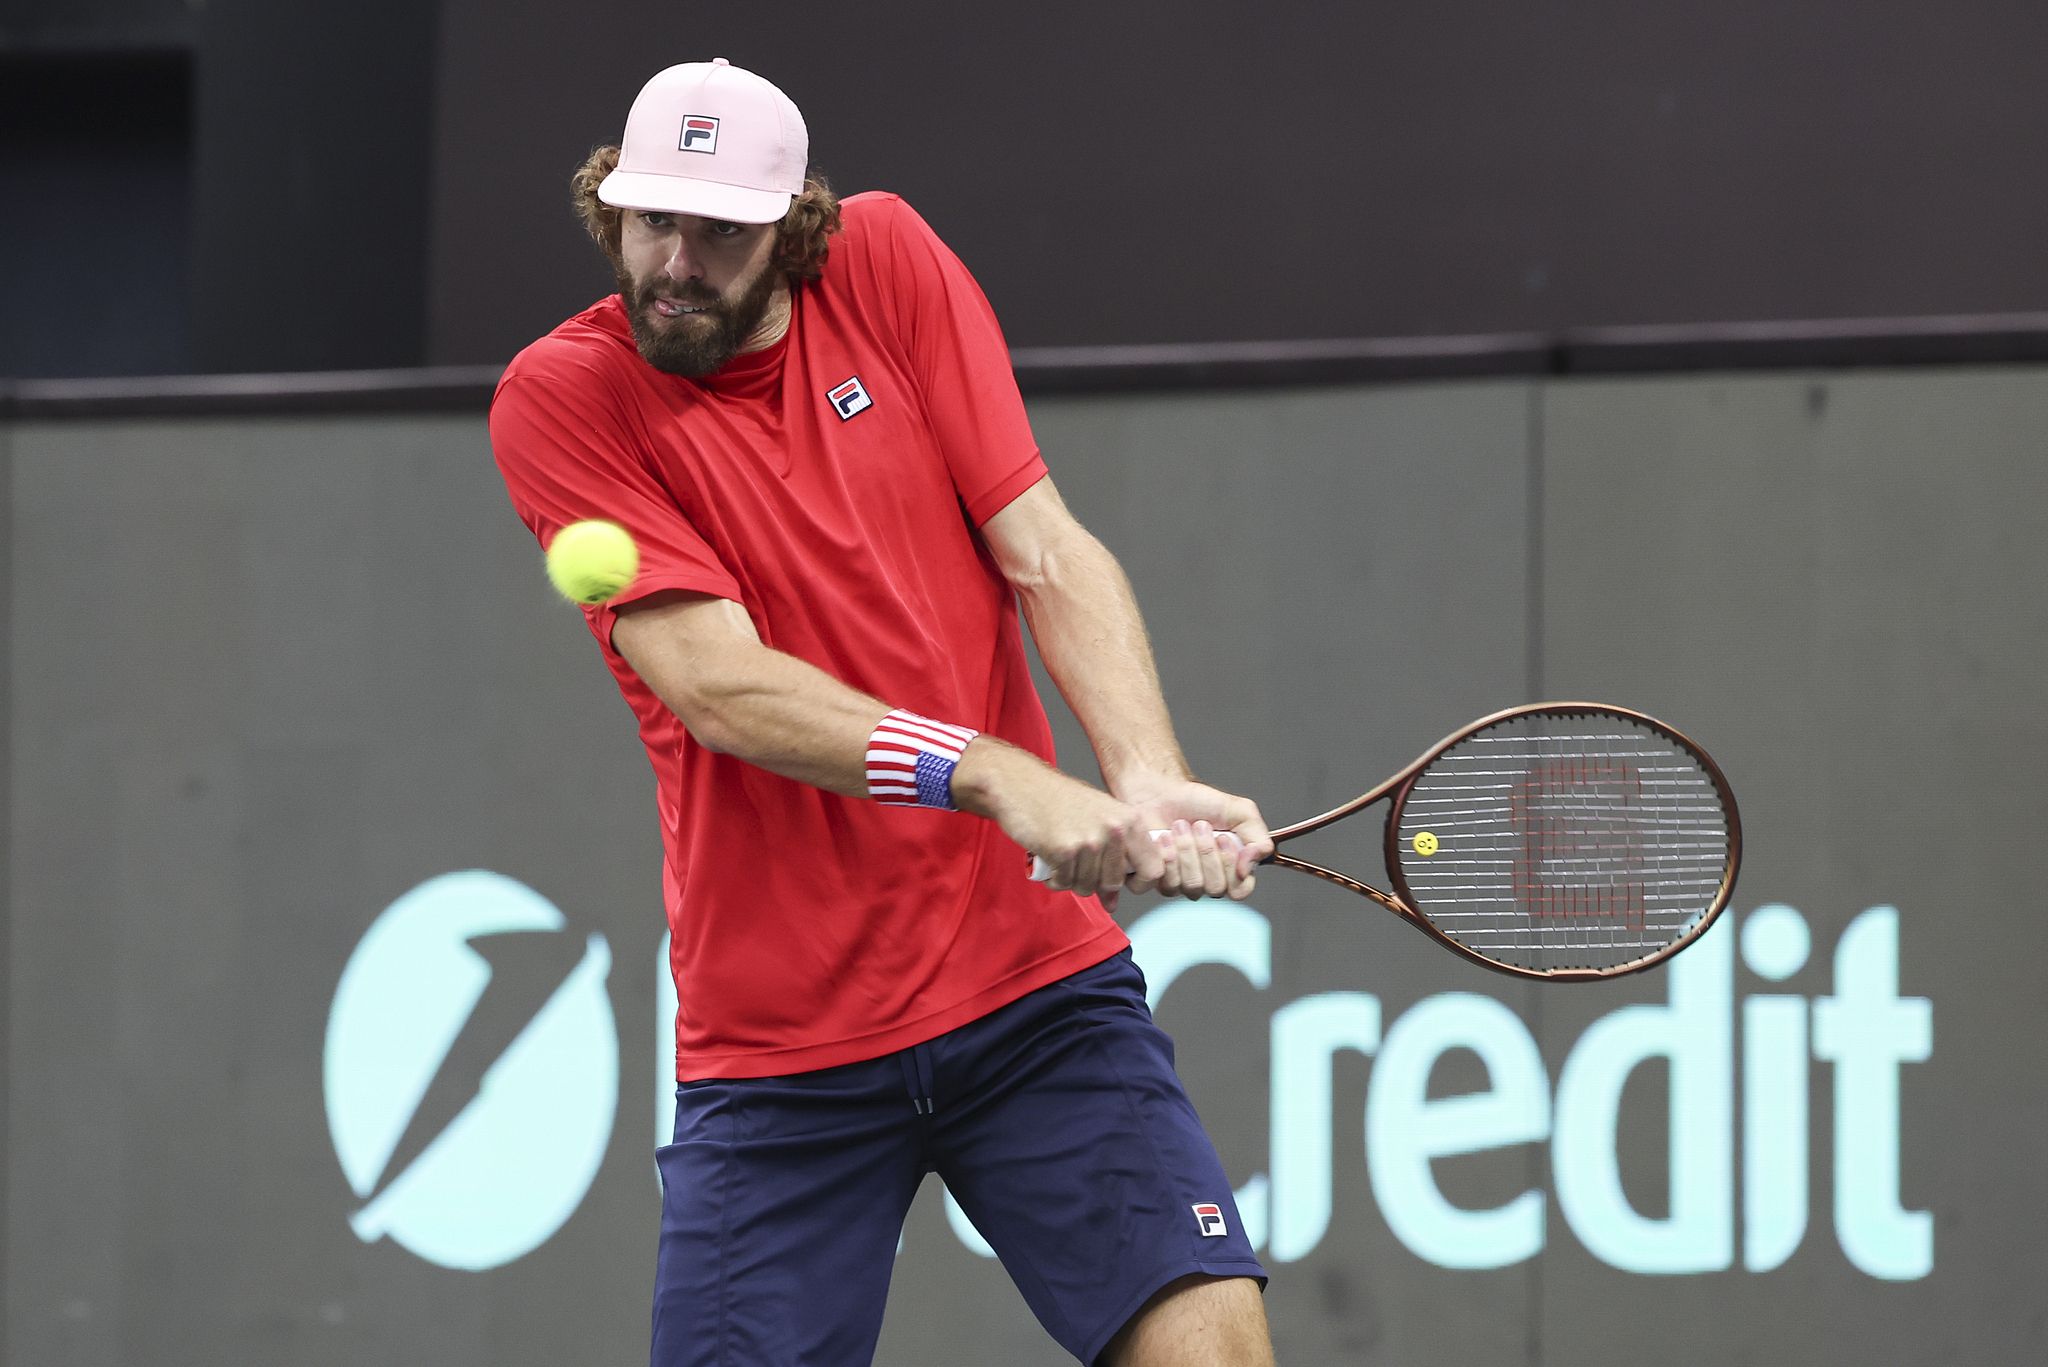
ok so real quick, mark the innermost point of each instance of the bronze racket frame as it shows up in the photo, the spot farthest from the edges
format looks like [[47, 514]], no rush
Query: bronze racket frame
[[1399, 786]]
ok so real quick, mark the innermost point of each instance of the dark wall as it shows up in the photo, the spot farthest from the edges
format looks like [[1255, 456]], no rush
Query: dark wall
[[95, 154], [1153, 172], [310, 185], [233, 186], [96, 25], [382, 184]]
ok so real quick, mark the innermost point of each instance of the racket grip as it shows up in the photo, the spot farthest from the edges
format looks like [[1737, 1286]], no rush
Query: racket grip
[[1226, 841]]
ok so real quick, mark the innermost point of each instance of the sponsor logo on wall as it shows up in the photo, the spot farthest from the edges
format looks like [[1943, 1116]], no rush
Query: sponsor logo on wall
[[526, 1137], [1864, 1029], [517, 1159]]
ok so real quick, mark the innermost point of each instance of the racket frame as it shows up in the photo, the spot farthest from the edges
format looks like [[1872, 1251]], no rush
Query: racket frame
[[1399, 786]]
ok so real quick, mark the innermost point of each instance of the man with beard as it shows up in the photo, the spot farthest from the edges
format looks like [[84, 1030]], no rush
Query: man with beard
[[803, 412]]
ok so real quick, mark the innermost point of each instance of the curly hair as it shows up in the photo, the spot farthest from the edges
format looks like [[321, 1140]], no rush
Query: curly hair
[[803, 237]]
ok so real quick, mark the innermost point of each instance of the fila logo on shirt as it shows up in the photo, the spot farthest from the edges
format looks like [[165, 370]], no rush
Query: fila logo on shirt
[[1209, 1219], [849, 398], [700, 133]]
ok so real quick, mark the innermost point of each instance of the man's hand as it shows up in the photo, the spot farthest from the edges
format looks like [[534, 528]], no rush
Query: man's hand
[[1090, 842], [1205, 860]]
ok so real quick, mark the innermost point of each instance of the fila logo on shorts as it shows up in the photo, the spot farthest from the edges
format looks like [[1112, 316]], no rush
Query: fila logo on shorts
[[700, 133], [1210, 1219], [849, 398]]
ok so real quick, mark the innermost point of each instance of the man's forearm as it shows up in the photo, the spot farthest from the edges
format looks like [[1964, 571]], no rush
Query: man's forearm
[[738, 696], [1085, 620], [742, 698], [702, 657]]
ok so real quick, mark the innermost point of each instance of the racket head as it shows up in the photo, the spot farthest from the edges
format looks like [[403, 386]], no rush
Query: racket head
[[1566, 842]]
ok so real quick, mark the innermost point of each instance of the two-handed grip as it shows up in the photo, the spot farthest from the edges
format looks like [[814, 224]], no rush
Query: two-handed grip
[[1226, 842]]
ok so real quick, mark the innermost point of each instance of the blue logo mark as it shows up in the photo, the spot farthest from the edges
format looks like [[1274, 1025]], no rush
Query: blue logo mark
[[514, 1162]]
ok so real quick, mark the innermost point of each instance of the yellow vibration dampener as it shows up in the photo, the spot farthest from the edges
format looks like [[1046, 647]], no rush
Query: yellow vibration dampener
[[1425, 844]]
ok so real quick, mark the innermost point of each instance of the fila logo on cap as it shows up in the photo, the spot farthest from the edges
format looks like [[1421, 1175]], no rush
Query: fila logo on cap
[[700, 133], [1210, 1219], [849, 398]]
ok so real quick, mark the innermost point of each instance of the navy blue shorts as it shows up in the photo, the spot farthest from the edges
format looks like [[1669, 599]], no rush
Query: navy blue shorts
[[1056, 1121]]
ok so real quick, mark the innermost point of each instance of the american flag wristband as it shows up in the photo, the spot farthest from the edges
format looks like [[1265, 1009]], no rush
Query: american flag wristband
[[911, 759]]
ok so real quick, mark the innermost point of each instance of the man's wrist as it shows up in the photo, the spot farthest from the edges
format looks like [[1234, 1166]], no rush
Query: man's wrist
[[1138, 784], [911, 760], [979, 786], [1002, 782]]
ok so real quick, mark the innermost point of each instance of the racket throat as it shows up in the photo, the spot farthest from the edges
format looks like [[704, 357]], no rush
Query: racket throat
[[1286, 861]]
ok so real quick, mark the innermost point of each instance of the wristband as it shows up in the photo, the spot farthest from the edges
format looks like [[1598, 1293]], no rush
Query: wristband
[[911, 760]]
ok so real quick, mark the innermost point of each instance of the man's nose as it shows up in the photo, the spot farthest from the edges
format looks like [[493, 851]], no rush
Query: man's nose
[[682, 263]]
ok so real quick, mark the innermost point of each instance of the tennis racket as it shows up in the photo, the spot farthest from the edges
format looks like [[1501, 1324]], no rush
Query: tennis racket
[[1566, 842]]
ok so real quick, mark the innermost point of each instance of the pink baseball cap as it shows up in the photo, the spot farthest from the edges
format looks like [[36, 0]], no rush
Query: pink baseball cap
[[710, 139]]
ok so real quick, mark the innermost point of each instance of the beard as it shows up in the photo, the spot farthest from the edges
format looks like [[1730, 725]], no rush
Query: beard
[[694, 344]]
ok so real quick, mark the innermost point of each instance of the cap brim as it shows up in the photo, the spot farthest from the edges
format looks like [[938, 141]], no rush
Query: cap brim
[[688, 195]]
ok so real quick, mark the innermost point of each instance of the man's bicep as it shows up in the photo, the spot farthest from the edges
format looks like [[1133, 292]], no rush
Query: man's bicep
[[679, 619], [683, 644]]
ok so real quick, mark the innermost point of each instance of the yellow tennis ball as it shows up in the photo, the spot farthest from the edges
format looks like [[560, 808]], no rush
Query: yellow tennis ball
[[590, 562]]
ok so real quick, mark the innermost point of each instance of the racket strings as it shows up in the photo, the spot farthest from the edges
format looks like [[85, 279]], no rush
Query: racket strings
[[1564, 842]]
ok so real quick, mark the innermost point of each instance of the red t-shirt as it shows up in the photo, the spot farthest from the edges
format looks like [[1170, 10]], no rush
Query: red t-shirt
[[831, 485]]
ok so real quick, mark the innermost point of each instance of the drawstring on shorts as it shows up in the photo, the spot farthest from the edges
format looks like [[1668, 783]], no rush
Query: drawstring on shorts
[[917, 1076]]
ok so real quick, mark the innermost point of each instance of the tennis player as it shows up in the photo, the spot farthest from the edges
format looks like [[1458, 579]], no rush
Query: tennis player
[[803, 411]]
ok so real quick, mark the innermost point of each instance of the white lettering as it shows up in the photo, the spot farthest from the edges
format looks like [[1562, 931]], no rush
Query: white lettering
[[1775, 945], [1867, 1030], [1695, 1033], [1773, 1129], [1404, 1129], [1306, 1037]]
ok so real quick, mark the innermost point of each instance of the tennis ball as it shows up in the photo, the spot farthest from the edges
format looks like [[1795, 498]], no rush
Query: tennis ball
[[590, 562]]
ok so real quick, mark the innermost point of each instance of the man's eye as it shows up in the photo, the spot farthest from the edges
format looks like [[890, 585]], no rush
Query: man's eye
[[723, 229], [655, 220]]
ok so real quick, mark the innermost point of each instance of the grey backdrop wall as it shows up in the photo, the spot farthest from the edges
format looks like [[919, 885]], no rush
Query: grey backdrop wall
[[269, 675]]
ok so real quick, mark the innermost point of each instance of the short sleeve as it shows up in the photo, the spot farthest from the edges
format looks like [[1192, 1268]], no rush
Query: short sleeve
[[566, 458], [957, 350]]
